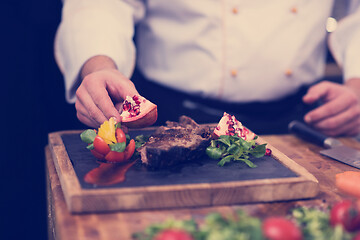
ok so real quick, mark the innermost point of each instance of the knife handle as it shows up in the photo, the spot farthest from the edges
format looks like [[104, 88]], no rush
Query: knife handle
[[305, 132]]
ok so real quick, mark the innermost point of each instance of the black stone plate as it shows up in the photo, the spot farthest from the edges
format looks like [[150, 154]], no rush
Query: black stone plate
[[204, 170]]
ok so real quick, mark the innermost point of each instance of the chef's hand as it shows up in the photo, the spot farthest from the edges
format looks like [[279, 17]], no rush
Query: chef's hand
[[101, 91], [339, 115]]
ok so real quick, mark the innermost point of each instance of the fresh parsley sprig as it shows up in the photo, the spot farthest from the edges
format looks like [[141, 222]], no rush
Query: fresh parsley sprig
[[233, 148]]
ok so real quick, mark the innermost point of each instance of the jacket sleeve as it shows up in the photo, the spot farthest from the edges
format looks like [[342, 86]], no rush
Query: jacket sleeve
[[344, 42], [95, 27]]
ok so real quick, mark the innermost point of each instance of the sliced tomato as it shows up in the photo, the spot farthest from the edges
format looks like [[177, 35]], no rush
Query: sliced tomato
[[115, 157], [101, 146], [120, 135], [97, 155], [129, 150]]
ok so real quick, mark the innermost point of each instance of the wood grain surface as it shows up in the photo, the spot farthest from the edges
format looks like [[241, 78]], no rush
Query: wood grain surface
[[121, 224]]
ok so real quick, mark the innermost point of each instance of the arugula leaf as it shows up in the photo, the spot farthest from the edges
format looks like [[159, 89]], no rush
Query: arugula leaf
[[234, 149], [214, 152], [225, 140], [140, 140], [259, 150], [248, 162], [226, 159]]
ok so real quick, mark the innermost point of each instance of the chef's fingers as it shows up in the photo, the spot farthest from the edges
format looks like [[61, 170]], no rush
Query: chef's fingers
[[87, 107], [317, 92], [350, 128], [82, 115], [340, 116], [353, 132], [332, 108], [97, 87], [119, 86]]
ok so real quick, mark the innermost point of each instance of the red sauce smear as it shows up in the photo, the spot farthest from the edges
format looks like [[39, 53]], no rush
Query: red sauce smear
[[108, 174]]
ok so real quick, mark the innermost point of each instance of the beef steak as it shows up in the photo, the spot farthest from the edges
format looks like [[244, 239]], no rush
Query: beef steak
[[176, 143]]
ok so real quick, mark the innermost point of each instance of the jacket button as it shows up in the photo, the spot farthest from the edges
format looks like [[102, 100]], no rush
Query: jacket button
[[233, 73], [288, 72]]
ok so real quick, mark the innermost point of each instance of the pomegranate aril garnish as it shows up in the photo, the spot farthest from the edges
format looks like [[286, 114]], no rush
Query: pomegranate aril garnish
[[229, 125], [138, 112], [268, 152]]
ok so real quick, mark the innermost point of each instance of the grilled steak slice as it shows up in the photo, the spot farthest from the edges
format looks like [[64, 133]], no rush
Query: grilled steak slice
[[176, 143]]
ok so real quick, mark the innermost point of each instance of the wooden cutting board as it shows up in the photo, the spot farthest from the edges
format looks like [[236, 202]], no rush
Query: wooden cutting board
[[201, 183]]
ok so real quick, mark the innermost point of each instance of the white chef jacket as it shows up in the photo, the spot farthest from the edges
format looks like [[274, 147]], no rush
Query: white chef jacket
[[236, 51]]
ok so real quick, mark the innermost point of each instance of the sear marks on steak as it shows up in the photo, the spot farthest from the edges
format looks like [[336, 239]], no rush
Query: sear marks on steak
[[175, 143]]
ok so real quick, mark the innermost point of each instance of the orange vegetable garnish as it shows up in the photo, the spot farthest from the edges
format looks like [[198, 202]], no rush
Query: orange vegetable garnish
[[107, 131], [348, 182]]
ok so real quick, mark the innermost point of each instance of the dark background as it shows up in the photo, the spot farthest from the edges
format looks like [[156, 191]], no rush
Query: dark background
[[34, 103]]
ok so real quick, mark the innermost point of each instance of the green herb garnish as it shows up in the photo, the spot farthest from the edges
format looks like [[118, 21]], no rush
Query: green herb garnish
[[88, 136], [313, 223], [118, 147], [140, 140], [233, 148]]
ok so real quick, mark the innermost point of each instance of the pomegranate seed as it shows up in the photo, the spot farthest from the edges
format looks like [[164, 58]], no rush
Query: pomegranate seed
[[135, 98], [217, 128], [126, 105], [268, 152]]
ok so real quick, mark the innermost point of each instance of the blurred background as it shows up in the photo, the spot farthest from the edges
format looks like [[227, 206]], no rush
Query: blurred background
[[34, 103], [32, 95]]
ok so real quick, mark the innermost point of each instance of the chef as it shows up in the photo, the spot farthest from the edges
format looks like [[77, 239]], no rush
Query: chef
[[259, 60]]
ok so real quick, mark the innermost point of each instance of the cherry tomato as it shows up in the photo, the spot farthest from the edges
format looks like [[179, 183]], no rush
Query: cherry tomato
[[120, 135], [279, 228], [173, 234], [101, 146], [114, 156], [346, 214], [129, 150], [357, 237]]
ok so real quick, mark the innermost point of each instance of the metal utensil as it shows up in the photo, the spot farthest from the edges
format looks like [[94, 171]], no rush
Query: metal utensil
[[334, 148]]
